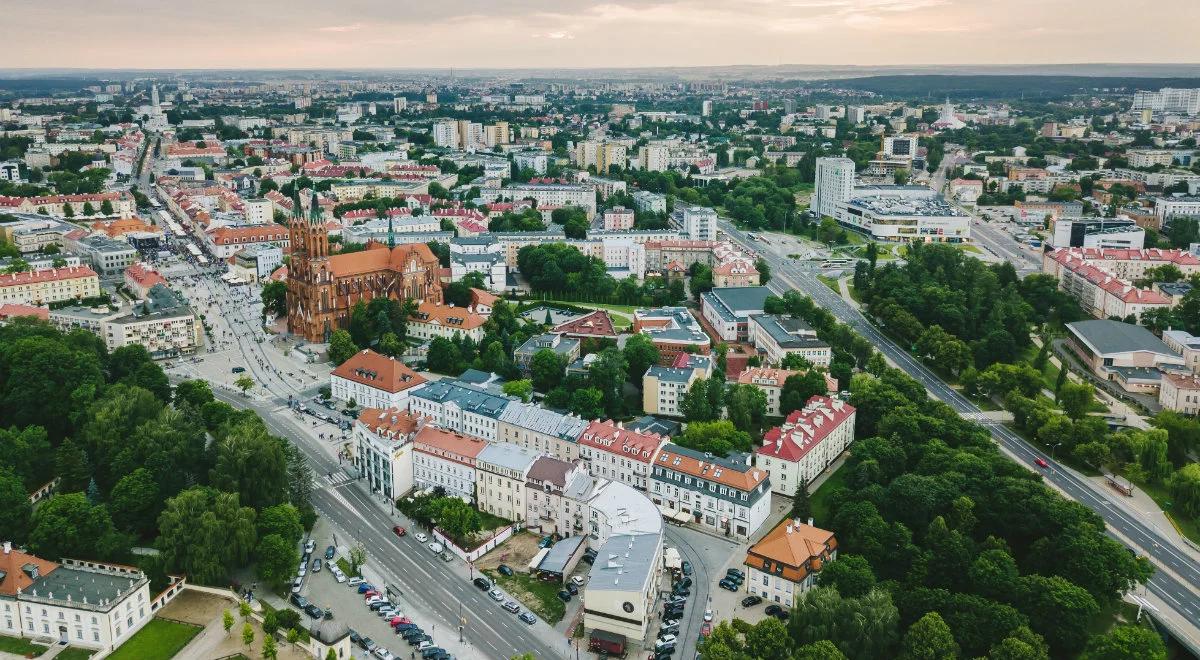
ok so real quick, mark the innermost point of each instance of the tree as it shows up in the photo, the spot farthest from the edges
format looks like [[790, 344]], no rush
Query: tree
[[71, 464], [607, 374], [227, 620], [1076, 398], [640, 353], [929, 639], [252, 463], [205, 533], [747, 408], [68, 210], [818, 650], [801, 504], [799, 388], [458, 518], [88, 209], [1185, 489], [1059, 610], [15, 509], [522, 389], [546, 369], [576, 228], [718, 437], [1128, 641], [1021, 644], [282, 520], [244, 383], [764, 271], [444, 357], [696, 404], [358, 557], [274, 298], [769, 639], [194, 393], [341, 347], [247, 634], [861, 628], [851, 575], [277, 558], [587, 403], [68, 525], [106, 207], [135, 501], [270, 622]]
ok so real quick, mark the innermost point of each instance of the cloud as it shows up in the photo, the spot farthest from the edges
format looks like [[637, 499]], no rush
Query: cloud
[[342, 28], [554, 35]]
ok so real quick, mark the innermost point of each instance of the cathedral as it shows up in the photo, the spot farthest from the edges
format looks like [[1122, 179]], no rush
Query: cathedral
[[323, 288]]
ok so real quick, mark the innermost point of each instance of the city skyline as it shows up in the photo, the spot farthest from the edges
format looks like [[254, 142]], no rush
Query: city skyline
[[586, 34]]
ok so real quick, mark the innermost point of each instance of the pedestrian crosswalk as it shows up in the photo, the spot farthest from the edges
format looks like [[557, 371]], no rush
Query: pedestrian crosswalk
[[335, 479]]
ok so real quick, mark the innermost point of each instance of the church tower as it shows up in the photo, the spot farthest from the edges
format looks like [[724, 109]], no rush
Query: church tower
[[309, 282]]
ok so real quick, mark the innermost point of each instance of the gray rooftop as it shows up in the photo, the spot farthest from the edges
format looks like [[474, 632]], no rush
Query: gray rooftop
[[555, 342], [560, 554], [466, 396], [506, 455], [541, 420], [652, 424], [625, 563], [736, 302], [1105, 337], [98, 587], [788, 332]]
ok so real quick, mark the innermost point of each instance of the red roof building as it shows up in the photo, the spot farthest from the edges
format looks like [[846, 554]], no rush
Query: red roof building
[[807, 443], [597, 324], [374, 381], [612, 451]]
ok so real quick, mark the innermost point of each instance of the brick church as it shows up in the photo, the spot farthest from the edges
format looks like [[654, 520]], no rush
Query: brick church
[[323, 288]]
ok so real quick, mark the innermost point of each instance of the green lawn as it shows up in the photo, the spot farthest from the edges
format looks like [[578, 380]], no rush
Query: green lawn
[[537, 596], [622, 315], [20, 646], [1186, 526], [820, 499], [158, 640], [74, 653], [830, 282]]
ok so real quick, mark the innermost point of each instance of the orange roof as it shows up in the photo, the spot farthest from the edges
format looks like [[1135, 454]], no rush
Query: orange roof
[[592, 324], [378, 371], [485, 298], [1180, 381], [13, 310], [378, 258], [252, 234], [792, 550], [449, 445], [46, 275], [121, 226], [390, 421], [457, 318], [742, 479], [13, 566], [615, 438]]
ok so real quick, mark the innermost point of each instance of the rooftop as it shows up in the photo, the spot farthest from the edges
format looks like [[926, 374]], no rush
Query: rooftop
[[379, 372], [625, 563], [1105, 337], [792, 550], [466, 396]]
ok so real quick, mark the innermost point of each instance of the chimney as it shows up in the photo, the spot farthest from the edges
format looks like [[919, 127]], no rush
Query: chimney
[[789, 529], [7, 547], [810, 522]]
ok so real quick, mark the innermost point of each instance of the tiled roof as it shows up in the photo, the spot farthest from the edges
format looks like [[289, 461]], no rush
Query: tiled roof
[[593, 324], [805, 428], [379, 258], [390, 421], [447, 444], [718, 470], [46, 275], [613, 437], [457, 318], [15, 567], [379, 372], [792, 550]]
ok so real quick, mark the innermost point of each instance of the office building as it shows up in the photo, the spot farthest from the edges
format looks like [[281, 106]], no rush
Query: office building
[[834, 185]]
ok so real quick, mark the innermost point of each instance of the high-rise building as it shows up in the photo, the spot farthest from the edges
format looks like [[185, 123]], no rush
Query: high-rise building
[[399, 104], [789, 106], [445, 134], [700, 223], [706, 107], [654, 158], [1168, 99], [834, 184], [900, 146], [610, 154]]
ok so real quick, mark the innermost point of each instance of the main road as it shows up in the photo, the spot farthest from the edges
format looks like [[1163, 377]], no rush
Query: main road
[[437, 588], [1175, 585]]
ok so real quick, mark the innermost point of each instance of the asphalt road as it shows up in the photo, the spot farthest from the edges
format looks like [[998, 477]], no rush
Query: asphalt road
[[438, 587], [1143, 538]]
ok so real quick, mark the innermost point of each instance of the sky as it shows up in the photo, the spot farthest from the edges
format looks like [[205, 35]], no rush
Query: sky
[[580, 33]]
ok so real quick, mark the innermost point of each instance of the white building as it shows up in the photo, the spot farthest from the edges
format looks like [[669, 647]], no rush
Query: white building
[[833, 186], [624, 257], [162, 323], [644, 200], [372, 380], [82, 603], [786, 562], [501, 471], [807, 443], [438, 320], [445, 134], [727, 495], [1168, 99], [771, 382], [460, 407], [779, 336], [611, 451], [546, 194], [904, 213], [534, 161], [541, 430], [479, 254], [1181, 206], [446, 460], [383, 449], [700, 223]]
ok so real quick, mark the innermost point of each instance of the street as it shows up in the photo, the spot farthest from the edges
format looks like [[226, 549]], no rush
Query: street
[[1178, 574]]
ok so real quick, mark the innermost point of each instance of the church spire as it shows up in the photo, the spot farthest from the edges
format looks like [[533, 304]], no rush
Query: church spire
[[391, 233], [314, 210]]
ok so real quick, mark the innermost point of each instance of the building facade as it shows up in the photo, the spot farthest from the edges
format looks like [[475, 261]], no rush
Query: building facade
[[727, 495], [807, 443], [374, 381]]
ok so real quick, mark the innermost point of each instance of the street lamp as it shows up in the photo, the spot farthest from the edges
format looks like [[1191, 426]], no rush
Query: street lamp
[[1053, 448]]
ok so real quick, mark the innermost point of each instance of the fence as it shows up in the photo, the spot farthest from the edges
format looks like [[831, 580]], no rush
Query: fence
[[178, 583], [41, 493], [479, 551]]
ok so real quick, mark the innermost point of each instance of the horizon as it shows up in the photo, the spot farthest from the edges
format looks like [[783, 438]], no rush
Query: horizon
[[584, 34]]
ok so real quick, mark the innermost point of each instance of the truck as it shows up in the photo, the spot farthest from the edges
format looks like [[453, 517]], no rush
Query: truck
[[671, 560], [607, 644]]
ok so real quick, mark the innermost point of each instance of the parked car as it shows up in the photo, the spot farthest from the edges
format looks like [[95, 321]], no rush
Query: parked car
[[483, 583], [565, 596], [362, 585], [337, 574], [420, 536], [356, 581], [296, 584], [496, 595], [303, 570], [591, 559], [527, 618], [545, 542], [401, 627], [511, 606], [330, 552], [727, 584], [446, 556], [399, 531], [368, 644], [686, 583], [414, 640], [687, 567], [238, 370], [734, 572], [663, 640], [749, 601], [432, 652], [316, 566], [680, 591], [356, 638], [383, 654], [572, 588], [435, 547], [578, 580], [314, 611], [708, 615], [298, 600], [504, 570]]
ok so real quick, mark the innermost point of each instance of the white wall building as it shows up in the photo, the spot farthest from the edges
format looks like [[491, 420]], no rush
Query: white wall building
[[444, 459], [833, 186], [374, 381], [808, 442], [383, 449], [727, 495]]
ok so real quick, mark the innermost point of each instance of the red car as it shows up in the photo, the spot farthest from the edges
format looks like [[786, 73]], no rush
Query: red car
[[399, 531], [369, 593], [1041, 462], [397, 620]]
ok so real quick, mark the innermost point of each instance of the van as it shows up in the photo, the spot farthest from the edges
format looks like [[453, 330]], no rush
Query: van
[[437, 548]]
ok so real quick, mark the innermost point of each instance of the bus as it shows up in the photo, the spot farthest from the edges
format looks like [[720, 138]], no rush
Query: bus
[[836, 263]]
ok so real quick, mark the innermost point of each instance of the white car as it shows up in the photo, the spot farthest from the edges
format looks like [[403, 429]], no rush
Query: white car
[[708, 615], [296, 585], [303, 570], [421, 537], [338, 574], [496, 595], [666, 639], [355, 581], [436, 547], [424, 645], [578, 580], [383, 654], [373, 599], [310, 546]]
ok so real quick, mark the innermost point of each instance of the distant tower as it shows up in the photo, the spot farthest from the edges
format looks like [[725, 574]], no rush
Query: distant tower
[[391, 233], [154, 97], [309, 294]]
